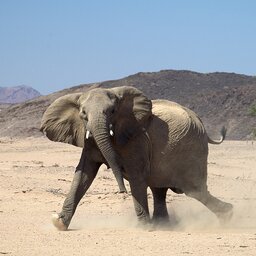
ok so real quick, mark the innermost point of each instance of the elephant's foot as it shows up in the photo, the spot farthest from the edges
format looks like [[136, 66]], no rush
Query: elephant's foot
[[225, 214], [160, 213], [165, 222], [160, 219], [58, 223], [144, 221], [145, 224]]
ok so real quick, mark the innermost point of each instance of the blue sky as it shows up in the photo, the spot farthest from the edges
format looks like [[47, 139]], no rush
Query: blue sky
[[51, 45]]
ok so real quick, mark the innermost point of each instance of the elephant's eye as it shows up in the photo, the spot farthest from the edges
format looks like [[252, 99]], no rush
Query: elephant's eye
[[83, 114]]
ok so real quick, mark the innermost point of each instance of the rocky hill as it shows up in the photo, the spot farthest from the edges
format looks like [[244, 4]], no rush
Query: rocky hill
[[17, 94], [218, 98]]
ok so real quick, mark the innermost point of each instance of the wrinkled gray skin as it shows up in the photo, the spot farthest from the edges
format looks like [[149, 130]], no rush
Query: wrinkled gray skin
[[157, 144]]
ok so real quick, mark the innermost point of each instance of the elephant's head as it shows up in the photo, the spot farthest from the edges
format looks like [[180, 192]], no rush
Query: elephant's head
[[119, 112]]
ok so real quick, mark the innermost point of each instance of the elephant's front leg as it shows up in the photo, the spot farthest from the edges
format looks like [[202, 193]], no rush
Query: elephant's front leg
[[83, 178], [140, 200]]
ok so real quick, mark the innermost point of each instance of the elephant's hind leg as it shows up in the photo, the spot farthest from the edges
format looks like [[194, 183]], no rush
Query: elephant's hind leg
[[222, 210], [197, 188], [160, 213]]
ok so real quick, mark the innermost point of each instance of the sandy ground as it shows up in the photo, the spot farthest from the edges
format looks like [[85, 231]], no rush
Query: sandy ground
[[35, 175]]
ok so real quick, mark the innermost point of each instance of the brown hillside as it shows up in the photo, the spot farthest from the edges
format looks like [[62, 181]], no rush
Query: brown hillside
[[218, 98]]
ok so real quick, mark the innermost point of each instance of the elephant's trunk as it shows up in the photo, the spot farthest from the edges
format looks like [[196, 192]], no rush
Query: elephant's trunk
[[99, 128]]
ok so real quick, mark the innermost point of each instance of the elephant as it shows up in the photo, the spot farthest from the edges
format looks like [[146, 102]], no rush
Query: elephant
[[158, 144]]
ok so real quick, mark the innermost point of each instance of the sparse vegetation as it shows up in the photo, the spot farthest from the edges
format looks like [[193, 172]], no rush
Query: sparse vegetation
[[253, 133], [252, 110]]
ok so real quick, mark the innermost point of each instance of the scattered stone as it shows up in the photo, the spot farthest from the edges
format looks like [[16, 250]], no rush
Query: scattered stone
[[64, 180], [27, 190]]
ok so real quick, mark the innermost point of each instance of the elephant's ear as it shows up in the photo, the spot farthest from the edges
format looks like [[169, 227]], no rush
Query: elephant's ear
[[133, 113], [61, 121]]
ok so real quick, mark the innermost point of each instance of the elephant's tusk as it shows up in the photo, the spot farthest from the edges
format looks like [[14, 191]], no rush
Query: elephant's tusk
[[111, 130], [87, 134]]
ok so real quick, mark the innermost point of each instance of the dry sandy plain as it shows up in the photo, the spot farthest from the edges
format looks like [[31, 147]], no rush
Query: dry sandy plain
[[35, 175]]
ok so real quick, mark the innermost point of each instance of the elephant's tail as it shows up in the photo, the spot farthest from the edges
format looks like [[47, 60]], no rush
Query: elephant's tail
[[223, 136]]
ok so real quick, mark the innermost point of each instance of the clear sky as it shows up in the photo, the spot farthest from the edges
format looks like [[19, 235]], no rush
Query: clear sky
[[51, 44]]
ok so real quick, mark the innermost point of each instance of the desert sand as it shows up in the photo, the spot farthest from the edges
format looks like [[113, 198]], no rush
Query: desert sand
[[35, 175]]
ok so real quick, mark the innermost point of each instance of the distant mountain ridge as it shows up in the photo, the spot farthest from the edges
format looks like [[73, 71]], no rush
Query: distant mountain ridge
[[17, 94], [218, 98]]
